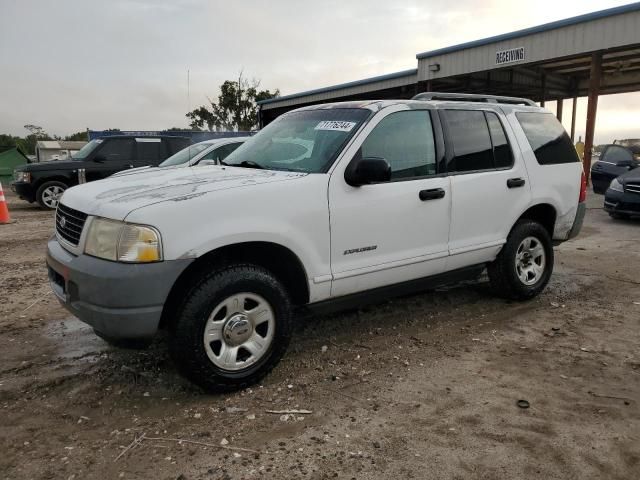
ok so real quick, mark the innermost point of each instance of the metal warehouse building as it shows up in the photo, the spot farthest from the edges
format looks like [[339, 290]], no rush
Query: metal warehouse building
[[588, 55]]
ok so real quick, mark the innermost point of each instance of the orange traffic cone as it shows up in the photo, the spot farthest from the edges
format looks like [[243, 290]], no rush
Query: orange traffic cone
[[4, 210]]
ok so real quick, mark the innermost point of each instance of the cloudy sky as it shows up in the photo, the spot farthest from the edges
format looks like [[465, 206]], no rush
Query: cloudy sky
[[68, 65]]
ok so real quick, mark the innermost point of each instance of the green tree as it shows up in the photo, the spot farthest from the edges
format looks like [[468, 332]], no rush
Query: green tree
[[8, 140], [236, 108], [28, 143], [37, 131], [175, 129], [78, 136]]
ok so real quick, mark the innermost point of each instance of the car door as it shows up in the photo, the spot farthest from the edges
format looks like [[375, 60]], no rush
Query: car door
[[489, 187], [613, 162], [114, 155], [395, 231], [150, 151]]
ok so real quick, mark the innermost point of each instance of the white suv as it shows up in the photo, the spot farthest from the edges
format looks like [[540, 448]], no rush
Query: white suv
[[327, 205]]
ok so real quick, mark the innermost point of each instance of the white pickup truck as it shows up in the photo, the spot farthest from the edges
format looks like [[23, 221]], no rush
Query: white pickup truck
[[327, 205]]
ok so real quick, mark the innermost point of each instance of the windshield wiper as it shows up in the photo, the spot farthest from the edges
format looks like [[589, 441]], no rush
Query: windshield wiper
[[247, 164]]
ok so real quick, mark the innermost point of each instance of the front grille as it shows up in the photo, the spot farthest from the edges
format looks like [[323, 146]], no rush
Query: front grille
[[69, 223], [632, 187]]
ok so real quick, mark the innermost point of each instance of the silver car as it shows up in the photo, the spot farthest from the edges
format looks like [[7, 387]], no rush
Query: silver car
[[209, 152]]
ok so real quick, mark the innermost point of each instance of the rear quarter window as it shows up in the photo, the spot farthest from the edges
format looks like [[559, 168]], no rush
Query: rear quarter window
[[176, 144], [547, 137]]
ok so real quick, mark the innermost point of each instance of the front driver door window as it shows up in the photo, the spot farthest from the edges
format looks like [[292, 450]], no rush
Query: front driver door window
[[116, 154], [405, 140]]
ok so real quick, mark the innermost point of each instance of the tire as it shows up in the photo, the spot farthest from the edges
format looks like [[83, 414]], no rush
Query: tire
[[222, 306], [49, 193], [506, 272]]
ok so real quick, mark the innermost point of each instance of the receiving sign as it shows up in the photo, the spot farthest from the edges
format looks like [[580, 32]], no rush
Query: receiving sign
[[335, 125], [509, 56]]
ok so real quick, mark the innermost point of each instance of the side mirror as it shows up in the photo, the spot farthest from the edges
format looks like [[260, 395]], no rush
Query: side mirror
[[99, 159], [364, 171]]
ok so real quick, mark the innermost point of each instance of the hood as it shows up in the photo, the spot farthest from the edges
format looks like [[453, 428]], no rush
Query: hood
[[132, 171], [146, 169], [51, 165], [115, 197], [630, 176]]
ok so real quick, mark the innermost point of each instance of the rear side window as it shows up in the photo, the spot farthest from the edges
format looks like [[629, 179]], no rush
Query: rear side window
[[150, 150], [175, 144], [405, 140], [472, 149], [547, 137], [502, 154], [115, 149], [614, 154]]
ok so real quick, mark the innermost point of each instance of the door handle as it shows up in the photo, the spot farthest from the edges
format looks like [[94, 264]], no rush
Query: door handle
[[431, 194], [515, 182]]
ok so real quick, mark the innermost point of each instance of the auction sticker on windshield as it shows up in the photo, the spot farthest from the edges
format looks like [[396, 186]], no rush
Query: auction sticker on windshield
[[335, 125]]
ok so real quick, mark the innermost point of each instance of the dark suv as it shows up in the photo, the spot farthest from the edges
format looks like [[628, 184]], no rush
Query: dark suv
[[45, 182]]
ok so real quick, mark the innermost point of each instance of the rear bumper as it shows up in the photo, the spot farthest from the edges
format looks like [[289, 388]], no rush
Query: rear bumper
[[568, 226], [120, 301], [24, 190], [623, 203], [578, 221]]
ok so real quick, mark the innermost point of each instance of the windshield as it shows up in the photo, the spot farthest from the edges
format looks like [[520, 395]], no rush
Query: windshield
[[186, 154], [87, 149], [306, 141]]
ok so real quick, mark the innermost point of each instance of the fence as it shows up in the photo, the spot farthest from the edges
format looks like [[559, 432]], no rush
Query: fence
[[195, 136]]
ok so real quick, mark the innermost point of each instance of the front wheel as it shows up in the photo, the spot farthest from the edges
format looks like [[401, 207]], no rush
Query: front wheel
[[524, 266], [49, 193], [232, 329]]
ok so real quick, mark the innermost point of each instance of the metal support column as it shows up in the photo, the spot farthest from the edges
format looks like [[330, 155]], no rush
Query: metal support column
[[573, 119], [559, 103], [592, 107], [544, 90]]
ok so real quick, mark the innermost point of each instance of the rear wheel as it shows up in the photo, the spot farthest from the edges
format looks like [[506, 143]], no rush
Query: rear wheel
[[524, 266], [49, 193], [232, 329]]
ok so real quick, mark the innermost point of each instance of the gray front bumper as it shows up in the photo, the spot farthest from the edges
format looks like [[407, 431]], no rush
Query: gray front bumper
[[119, 300]]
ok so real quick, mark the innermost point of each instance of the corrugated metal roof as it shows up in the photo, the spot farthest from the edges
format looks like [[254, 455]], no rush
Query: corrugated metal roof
[[389, 76], [609, 12], [60, 144], [48, 144], [72, 144]]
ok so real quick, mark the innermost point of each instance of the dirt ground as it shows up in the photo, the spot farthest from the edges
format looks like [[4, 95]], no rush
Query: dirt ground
[[420, 387]]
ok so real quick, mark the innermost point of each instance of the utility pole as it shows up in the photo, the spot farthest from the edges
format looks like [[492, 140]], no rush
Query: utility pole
[[239, 101]]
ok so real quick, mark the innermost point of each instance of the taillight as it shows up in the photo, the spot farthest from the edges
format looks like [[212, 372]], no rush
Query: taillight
[[583, 188]]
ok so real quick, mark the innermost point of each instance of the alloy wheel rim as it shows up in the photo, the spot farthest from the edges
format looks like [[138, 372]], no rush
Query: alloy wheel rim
[[530, 261], [239, 331], [51, 196]]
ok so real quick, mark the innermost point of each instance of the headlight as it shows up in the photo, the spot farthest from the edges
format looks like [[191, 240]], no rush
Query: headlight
[[22, 176], [616, 185], [123, 242]]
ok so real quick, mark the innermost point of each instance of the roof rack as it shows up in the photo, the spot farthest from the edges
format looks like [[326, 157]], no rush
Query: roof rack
[[472, 97]]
